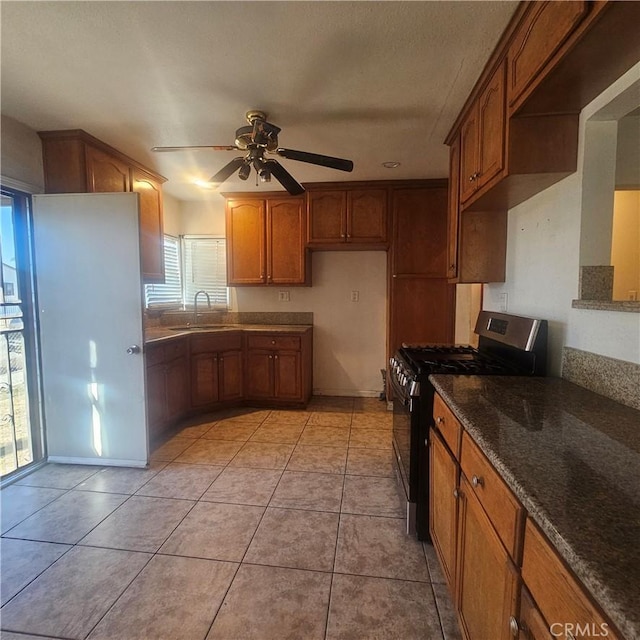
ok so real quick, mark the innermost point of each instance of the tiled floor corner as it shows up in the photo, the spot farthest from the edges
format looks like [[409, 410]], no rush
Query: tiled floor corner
[[247, 524]]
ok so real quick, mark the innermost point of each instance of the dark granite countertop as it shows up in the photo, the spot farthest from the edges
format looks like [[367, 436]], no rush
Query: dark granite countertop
[[572, 457], [157, 334]]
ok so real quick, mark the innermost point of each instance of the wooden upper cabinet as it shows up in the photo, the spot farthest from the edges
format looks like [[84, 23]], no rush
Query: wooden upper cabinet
[[453, 212], [543, 30], [482, 138], [344, 219], [327, 217], [285, 241], [106, 173], [266, 241], [76, 162], [367, 215], [245, 225], [149, 191], [419, 246]]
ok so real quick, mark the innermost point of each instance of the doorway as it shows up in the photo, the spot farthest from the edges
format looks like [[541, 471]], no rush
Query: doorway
[[21, 436]]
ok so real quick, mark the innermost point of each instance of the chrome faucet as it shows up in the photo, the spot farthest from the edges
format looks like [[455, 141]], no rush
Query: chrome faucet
[[195, 304]]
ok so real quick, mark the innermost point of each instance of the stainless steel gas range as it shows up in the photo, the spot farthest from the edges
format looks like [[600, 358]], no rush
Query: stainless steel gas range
[[507, 345]]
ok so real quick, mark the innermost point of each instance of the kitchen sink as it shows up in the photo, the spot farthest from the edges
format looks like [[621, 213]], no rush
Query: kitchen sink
[[201, 327]]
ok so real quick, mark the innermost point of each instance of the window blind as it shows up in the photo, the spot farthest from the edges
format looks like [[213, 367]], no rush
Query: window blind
[[205, 268], [168, 294]]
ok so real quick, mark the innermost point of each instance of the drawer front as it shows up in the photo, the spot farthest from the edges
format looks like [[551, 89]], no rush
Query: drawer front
[[175, 349], [210, 343], [559, 596], [447, 424], [154, 354], [275, 342], [504, 511]]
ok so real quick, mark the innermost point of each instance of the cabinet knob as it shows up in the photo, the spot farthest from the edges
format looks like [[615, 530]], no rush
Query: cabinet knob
[[133, 349], [472, 177], [477, 481], [348, 235], [276, 357], [514, 629], [270, 357], [273, 342], [456, 493], [342, 235], [439, 420], [452, 266]]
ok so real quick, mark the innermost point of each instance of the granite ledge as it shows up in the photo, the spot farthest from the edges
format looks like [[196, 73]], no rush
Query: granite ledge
[[630, 306], [163, 334], [562, 450]]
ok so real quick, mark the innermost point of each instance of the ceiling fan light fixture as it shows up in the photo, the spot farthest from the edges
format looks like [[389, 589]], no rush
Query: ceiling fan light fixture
[[244, 172], [391, 164]]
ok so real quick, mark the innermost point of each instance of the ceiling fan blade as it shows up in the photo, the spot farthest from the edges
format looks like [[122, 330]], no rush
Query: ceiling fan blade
[[314, 158], [284, 177], [196, 148], [228, 170]]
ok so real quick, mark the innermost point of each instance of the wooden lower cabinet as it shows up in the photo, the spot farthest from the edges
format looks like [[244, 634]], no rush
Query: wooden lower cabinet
[[531, 625], [167, 373], [487, 579], [443, 505], [278, 368]]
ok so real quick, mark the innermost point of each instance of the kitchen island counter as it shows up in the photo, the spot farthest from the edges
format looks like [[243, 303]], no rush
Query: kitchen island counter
[[572, 457]]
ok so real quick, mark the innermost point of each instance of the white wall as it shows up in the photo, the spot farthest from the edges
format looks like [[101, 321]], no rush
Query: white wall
[[543, 256], [21, 160]]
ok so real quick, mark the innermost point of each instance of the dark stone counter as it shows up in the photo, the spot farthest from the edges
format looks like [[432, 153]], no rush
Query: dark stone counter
[[572, 457]]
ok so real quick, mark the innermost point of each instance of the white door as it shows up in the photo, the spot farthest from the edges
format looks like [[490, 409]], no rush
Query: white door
[[89, 288]]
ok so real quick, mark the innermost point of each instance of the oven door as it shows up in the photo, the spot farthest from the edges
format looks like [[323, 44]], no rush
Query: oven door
[[404, 444]]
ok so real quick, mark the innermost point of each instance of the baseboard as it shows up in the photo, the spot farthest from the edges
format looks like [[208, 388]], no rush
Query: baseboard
[[346, 394], [99, 462]]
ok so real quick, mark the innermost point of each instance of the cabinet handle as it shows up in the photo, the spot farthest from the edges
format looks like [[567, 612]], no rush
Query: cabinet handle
[[513, 627], [477, 481]]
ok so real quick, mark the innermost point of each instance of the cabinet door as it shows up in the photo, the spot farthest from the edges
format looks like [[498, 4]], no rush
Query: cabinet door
[[486, 579], [419, 232], [327, 217], [546, 26], [259, 374], [204, 379], [156, 400], [230, 370], [469, 155], [443, 505], [286, 237], [149, 191], [287, 375], [177, 389], [532, 625], [246, 242], [491, 126], [453, 214], [367, 216], [105, 173]]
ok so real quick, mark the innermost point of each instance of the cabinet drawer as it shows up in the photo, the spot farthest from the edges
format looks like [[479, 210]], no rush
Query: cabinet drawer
[[447, 424], [559, 596], [154, 354], [209, 343], [504, 511], [175, 349], [274, 342]]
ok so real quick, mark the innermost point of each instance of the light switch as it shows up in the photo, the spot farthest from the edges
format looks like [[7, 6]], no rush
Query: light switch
[[504, 302], [283, 296], [355, 296]]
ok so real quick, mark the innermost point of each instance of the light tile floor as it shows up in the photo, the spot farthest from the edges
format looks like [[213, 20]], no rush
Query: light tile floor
[[247, 524]]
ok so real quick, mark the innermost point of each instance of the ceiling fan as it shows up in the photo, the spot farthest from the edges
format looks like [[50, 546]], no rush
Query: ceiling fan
[[257, 139]]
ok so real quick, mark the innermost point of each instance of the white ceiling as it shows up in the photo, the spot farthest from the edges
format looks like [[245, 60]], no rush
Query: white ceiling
[[368, 81]]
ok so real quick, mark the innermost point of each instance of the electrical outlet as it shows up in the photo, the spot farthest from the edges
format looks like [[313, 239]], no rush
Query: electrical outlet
[[283, 296], [633, 294], [355, 296], [504, 302]]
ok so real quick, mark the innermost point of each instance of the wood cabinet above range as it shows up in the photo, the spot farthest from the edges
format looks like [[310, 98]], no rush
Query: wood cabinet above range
[[76, 162]]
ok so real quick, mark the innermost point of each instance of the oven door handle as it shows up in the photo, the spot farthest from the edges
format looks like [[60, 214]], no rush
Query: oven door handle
[[401, 393]]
